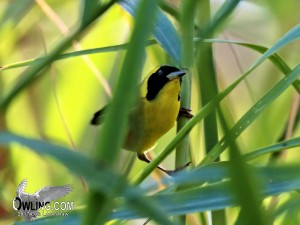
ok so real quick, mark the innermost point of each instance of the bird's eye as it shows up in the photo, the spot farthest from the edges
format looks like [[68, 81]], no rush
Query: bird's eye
[[160, 73]]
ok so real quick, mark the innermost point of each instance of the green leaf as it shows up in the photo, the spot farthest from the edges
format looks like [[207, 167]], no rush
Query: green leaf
[[164, 32], [274, 58], [15, 11], [247, 195], [109, 142], [74, 161], [290, 36], [253, 113], [220, 17], [265, 101], [273, 148], [292, 205], [98, 176], [275, 180], [72, 55], [32, 72], [89, 10]]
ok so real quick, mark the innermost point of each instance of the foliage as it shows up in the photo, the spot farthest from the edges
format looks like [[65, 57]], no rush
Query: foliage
[[242, 140]]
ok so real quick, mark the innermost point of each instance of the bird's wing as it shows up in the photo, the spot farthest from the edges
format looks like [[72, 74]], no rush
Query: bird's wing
[[98, 116], [51, 193], [21, 187]]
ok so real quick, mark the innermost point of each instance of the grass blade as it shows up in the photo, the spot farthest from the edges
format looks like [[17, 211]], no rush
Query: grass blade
[[71, 55], [15, 11], [109, 142], [210, 197], [246, 120], [274, 180], [28, 75], [89, 11], [274, 58], [220, 17], [253, 113], [164, 32], [273, 148], [98, 176], [74, 161], [246, 194]]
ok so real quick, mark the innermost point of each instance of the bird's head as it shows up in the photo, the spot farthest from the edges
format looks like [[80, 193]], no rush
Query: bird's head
[[158, 78]]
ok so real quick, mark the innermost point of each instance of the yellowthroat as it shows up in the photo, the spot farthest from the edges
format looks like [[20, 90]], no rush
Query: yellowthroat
[[156, 111]]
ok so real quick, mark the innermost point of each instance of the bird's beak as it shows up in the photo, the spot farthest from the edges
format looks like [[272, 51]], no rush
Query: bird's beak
[[176, 74]]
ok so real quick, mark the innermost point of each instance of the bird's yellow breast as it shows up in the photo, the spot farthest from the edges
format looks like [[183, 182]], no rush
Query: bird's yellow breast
[[152, 119]]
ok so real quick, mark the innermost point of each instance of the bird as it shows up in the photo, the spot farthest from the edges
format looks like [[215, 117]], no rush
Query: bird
[[33, 202], [155, 112]]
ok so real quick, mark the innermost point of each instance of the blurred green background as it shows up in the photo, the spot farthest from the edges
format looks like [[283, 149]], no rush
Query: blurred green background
[[58, 106]]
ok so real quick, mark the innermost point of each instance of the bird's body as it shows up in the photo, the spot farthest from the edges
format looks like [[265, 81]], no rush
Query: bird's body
[[156, 110], [151, 119]]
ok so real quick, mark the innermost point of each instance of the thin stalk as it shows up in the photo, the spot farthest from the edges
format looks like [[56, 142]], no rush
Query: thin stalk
[[207, 77], [208, 87], [109, 142], [113, 48], [246, 194], [187, 34]]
